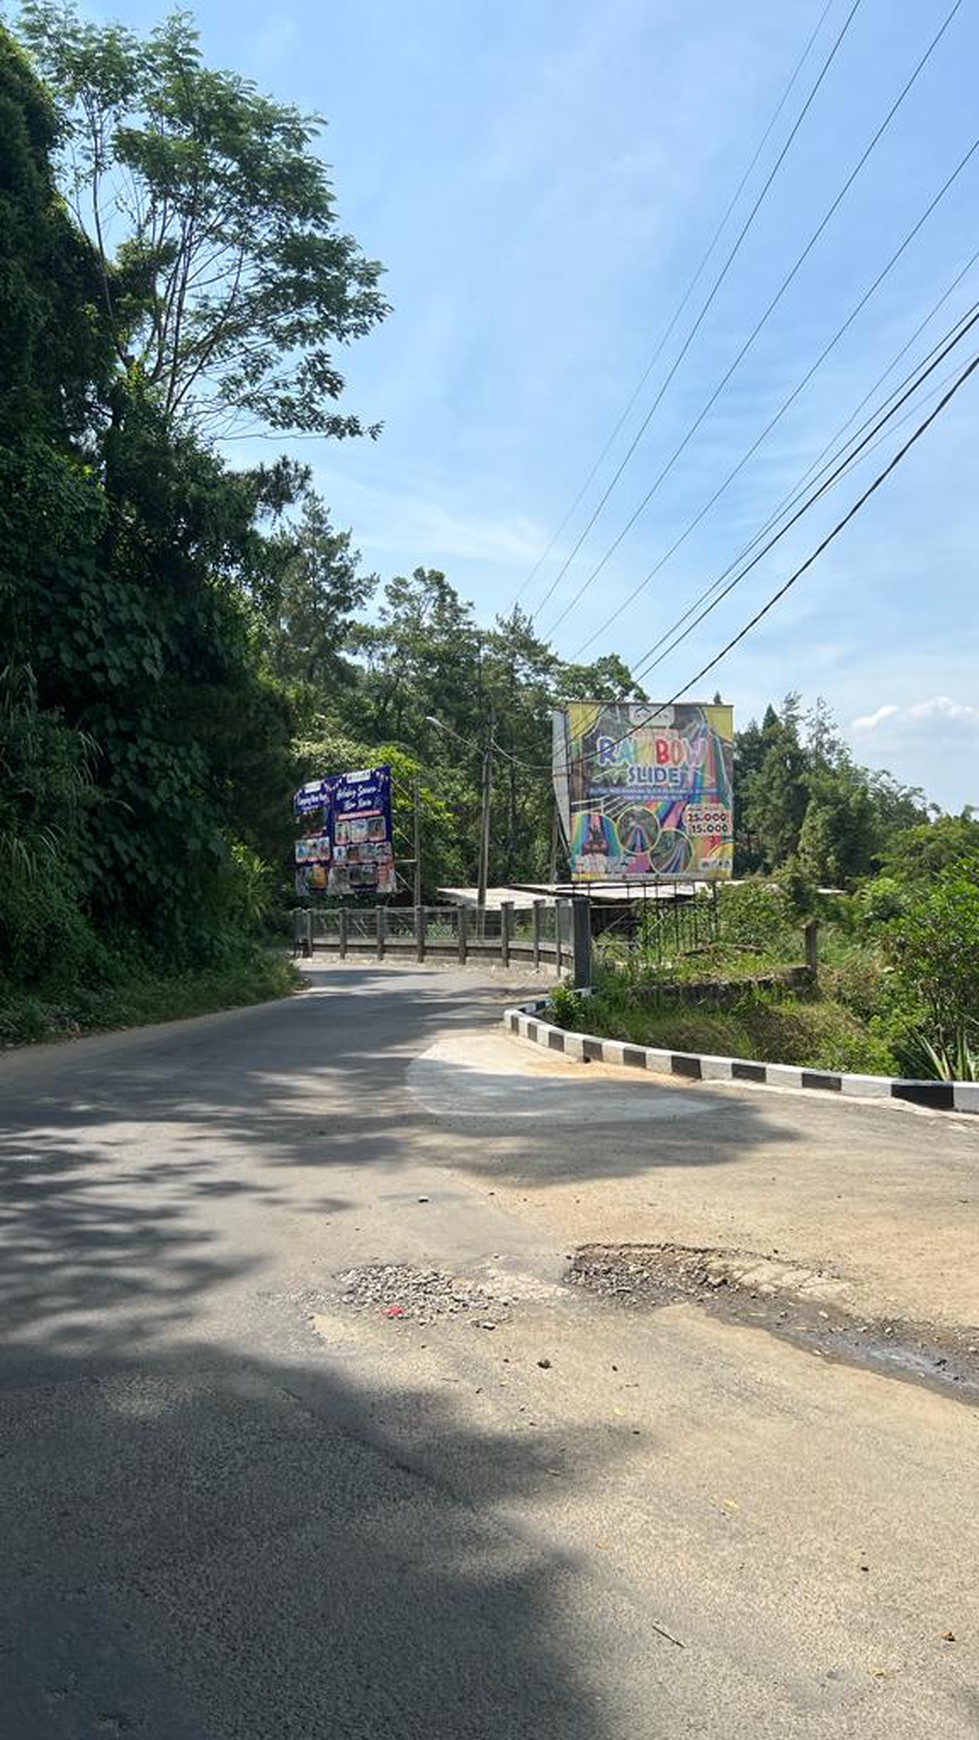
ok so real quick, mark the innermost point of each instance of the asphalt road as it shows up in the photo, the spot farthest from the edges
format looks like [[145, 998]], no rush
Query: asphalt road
[[233, 1506]]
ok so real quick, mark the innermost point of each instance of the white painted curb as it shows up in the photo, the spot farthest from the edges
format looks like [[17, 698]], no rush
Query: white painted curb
[[941, 1096]]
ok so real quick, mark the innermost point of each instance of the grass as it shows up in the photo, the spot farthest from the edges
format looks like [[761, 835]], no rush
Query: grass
[[815, 1033], [832, 1027], [27, 1017], [730, 962]]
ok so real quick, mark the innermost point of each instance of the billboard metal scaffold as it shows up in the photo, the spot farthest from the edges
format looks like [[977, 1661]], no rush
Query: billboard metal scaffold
[[644, 792]]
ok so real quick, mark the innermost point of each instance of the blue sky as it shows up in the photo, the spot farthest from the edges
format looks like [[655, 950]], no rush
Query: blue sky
[[540, 180]]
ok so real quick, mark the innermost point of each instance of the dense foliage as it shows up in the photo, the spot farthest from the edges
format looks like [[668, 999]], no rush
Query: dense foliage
[[146, 740]]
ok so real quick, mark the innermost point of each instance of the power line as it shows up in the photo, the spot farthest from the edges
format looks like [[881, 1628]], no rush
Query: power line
[[658, 708], [837, 529], [691, 287], [718, 281], [788, 402], [933, 361], [786, 281], [892, 365], [878, 433], [816, 469], [849, 463]]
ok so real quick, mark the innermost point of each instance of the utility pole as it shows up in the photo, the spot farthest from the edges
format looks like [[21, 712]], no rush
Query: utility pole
[[484, 832], [418, 844]]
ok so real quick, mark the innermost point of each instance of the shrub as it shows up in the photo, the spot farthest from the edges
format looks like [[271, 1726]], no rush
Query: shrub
[[880, 902], [934, 946], [758, 914], [564, 1007]]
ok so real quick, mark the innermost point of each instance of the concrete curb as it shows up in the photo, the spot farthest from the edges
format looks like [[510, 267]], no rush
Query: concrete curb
[[940, 1096]]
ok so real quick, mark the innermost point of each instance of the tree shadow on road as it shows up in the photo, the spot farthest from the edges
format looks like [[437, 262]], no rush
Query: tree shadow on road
[[320, 1082], [206, 1542], [200, 1546]]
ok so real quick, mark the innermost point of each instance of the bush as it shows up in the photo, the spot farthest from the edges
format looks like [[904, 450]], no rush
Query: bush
[[880, 902], [816, 1034], [934, 946], [564, 1007], [135, 993], [758, 914], [859, 978]]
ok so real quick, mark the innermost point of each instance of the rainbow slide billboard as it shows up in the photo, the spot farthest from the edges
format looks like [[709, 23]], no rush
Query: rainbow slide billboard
[[644, 792]]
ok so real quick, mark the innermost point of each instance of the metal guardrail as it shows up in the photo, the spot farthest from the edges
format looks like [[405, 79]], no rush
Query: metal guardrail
[[540, 933]]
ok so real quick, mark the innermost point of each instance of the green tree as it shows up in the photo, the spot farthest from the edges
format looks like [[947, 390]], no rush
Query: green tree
[[54, 340], [839, 833], [421, 658], [311, 603], [935, 946], [54, 354], [608, 679], [225, 275], [920, 854], [775, 794], [519, 673]]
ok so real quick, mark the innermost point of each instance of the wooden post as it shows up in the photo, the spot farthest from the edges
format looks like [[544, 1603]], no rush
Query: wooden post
[[812, 947], [419, 933], [538, 929], [463, 921], [581, 941], [506, 916], [343, 933], [379, 922]]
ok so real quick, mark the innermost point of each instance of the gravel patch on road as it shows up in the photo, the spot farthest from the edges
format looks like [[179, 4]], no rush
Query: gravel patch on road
[[805, 1306], [421, 1295]]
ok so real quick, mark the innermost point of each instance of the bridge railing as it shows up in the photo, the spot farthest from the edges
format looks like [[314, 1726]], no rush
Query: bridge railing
[[538, 935]]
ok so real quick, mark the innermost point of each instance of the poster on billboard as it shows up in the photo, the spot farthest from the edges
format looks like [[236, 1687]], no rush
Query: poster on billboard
[[313, 853], [644, 792], [363, 852], [316, 795], [351, 850]]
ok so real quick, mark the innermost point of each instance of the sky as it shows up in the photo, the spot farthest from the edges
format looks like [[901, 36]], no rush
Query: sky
[[541, 181]]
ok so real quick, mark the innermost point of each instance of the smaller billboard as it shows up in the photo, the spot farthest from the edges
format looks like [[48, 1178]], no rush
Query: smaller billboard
[[351, 850], [315, 795]]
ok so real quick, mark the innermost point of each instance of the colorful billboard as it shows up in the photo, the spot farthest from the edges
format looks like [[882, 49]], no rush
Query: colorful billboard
[[645, 792], [363, 853], [352, 850]]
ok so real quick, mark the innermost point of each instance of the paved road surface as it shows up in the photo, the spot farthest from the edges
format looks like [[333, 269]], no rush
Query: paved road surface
[[234, 1507]]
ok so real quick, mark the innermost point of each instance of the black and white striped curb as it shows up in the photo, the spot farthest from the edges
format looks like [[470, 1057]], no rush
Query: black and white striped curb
[[941, 1096]]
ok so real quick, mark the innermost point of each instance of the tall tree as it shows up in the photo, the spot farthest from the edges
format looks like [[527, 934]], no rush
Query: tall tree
[[310, 606], [775, 793], [422, 658], [227, 279]]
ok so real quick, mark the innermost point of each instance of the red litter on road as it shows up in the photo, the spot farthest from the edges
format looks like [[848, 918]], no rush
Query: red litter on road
[[394, 1310]]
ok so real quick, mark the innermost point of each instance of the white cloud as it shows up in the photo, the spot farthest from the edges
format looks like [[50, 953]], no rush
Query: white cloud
[[940, 707], [939, 711], [869, 721]]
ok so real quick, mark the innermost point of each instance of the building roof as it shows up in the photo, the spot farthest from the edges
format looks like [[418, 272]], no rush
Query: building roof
[[522, 896]]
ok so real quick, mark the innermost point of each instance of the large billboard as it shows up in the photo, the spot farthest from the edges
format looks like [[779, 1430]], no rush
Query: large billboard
[[349, 846], [644, 792]]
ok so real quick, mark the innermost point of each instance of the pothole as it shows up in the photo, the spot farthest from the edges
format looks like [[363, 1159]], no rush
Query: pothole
[[399, 1290], [806, 1306]]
